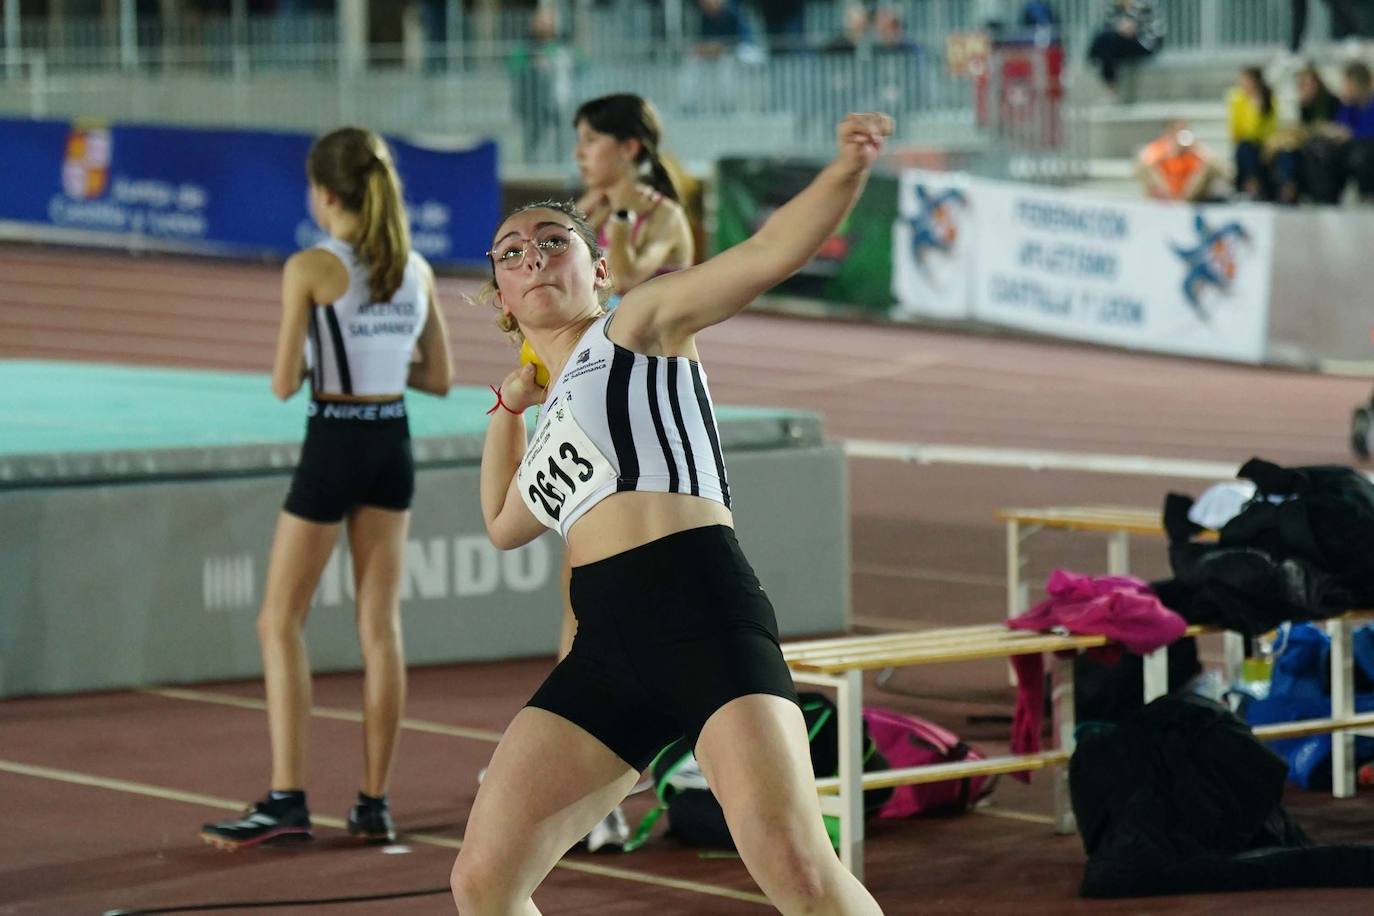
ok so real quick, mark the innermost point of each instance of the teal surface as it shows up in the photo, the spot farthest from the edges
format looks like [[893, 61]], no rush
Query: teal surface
[[82, 407]]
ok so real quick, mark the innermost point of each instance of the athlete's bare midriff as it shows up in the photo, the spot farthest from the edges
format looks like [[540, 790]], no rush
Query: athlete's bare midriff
[[623, 521]]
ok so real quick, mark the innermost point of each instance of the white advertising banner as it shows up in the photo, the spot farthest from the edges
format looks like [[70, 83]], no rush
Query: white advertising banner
[[932, 246], [1151, 276]]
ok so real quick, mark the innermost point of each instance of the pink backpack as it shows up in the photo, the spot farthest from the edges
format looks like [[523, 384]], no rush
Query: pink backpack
[[909, 741]]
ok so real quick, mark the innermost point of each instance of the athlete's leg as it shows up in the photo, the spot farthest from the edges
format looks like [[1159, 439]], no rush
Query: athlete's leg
[[377, 542], [755, 756], [548, 783], [300, 550]]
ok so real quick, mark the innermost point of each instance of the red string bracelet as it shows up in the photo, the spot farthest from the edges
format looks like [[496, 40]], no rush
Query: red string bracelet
[[499, 402]]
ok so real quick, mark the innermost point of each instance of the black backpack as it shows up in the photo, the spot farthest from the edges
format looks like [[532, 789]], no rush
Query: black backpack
[[695, 818]]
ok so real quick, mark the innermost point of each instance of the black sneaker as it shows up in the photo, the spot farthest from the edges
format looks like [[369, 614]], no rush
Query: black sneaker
[[370, 819], [1361, 425], [266, 823]]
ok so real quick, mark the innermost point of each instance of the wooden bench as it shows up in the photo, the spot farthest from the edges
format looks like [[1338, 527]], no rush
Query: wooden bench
[[840, 663], [1119, 523]]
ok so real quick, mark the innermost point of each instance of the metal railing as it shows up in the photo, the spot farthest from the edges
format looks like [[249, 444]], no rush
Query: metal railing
[[298, 72], [126, 41]]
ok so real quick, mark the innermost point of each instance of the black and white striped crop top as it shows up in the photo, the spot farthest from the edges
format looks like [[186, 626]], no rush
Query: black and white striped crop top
[[616, 420], [357, 346]]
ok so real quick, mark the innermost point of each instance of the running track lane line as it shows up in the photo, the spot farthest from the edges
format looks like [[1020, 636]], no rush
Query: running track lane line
[[321, 712], [1040, 460], [212, 801]]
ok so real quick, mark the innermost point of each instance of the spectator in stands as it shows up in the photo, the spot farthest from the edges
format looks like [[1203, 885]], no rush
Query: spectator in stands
[[541, 69], [784, 21], [1252, 121], [1349, 21], [1038, 14], [1353, 130], [889, 33], [844, 85], [895, 84], [857, 36], [720, 29], [1132, 31], [1295, 150], [1174, 166], [711, 79]]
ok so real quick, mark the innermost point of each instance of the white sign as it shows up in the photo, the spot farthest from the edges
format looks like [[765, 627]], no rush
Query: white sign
[[1147, 275], [933, 246]]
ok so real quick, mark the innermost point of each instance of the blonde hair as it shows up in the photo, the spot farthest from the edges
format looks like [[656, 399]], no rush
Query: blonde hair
[[356, 166], [486, 293]]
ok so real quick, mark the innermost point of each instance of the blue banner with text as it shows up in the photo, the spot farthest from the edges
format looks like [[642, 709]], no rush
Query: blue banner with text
[[222, 192]]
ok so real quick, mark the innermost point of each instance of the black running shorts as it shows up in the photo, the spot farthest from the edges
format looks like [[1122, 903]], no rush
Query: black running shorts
[[355, 454], [667, 633]]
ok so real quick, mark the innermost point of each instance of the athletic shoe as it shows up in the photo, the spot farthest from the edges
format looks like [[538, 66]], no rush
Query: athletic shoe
[[371, 820], [1361, 425], [268, 823], [611, 834]]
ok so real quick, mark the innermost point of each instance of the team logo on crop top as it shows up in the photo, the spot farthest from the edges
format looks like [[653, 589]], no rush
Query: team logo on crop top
[[562, 467]]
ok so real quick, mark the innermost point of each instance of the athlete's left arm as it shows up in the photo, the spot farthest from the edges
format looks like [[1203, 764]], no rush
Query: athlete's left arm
[[288, 367], [672, 308], [433, 372]]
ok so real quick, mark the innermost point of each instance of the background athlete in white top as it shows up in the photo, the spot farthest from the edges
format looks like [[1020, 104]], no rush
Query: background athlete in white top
[[366, 304]]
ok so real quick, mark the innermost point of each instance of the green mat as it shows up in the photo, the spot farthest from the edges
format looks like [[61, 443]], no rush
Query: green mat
[[57, 407]]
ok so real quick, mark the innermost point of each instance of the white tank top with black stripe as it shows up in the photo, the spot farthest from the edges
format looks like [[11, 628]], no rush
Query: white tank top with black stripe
[[360, 347], [616, 420]]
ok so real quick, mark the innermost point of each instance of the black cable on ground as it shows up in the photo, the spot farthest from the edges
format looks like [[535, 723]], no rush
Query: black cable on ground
[[265, 904]]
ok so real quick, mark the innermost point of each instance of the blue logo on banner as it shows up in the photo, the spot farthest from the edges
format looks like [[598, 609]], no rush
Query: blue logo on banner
[[1209, 262], [935, 225]]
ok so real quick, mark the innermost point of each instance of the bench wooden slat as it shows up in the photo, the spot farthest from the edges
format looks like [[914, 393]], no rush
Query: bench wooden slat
[[953, 644], [821, 645], [1089, 518], [902, 642], [1104, 519], [867, 662], [942, 772], [1305, 727]]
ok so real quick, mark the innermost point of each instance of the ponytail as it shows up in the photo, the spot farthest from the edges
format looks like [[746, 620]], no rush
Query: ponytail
[[384, 243], [660, 177], [355, 165]]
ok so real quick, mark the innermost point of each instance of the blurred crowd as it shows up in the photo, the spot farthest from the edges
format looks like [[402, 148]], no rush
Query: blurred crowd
[[1319, 149]]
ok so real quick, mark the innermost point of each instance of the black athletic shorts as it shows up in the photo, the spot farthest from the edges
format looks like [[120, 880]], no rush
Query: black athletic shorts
[[355, 454], [667, 633]]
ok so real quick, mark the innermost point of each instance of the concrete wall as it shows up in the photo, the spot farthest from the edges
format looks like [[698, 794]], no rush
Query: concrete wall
[[115, 585]]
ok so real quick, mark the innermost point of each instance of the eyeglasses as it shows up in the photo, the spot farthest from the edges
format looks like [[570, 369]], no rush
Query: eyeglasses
[[510, 253]]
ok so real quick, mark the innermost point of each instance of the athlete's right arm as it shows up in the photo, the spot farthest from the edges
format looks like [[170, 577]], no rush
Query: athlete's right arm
[[288, 368], [510, 524]]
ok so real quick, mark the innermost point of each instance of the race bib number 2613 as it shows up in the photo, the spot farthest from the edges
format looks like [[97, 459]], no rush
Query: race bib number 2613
[[561, 468]]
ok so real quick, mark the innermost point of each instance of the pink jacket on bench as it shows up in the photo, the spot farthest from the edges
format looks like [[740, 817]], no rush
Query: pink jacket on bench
[[1122, 608]]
